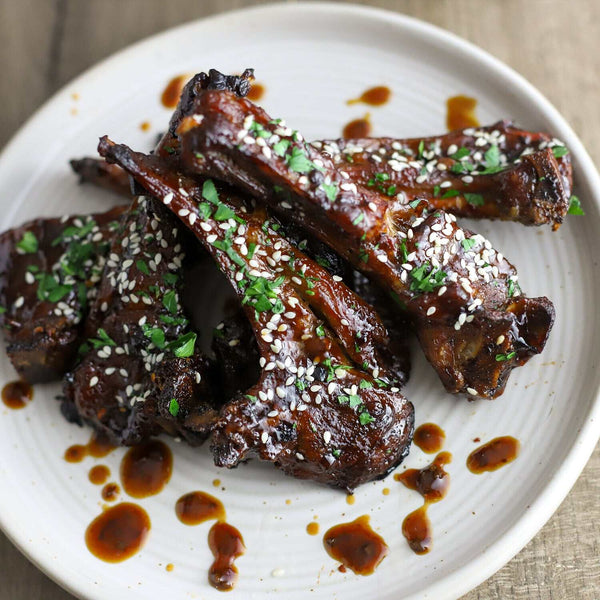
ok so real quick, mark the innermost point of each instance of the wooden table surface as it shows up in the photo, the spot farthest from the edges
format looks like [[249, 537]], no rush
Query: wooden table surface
[[553, 43]]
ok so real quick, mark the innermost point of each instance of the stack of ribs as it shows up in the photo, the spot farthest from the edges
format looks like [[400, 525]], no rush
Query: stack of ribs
[[336, 251]]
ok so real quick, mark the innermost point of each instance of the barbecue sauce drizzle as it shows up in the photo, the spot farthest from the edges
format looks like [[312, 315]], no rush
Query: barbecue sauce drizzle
[[356, 546], [429, 437], [432, 483], [494, 454], [224, 540], [17, 394], [358, 128], [146, 469], [99, 446], [375, 96], [460, 113], [256, 92]]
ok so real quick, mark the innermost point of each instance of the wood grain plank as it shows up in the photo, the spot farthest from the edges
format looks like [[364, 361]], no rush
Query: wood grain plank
[[552, 43]]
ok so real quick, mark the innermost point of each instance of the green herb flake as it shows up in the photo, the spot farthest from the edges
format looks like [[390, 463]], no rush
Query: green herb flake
[[280, 148], [183, 346], [142, 267], [560, 151], [450, 194], [28, 243], [474, 199], [298, 161], [503, 357], [223, 213], [170, 301], [331, 191], [365, 418], [467, 244], [575, 206], [209, 192], [320, 331], [174, 407]]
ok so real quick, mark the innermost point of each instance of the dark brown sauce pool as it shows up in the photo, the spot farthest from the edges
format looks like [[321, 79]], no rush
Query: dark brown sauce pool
[[99, 446], [460, 113], [110, 492], [196, 507], [432, 483], [17, 394], [256, 92], [375, 96], [356, 545], [226, 544], [494, 454], [358, 128], [429, 437], [146, 469], [118, 533], [170, 96], [99, 474]]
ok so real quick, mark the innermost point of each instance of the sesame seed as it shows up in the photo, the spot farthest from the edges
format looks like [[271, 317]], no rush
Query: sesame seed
[[500, 339], [472, 391], [430, 310], [93, 381], [327, 437], [264, 438]]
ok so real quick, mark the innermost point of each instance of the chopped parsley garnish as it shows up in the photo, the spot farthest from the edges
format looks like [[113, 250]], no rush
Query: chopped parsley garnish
[[467, 243], [209, 192], [415, 203], [503, 357], [183, 346], [559, 151], [336, 452], [460, 153], [365, 418], [492, 161], [280, 148], [331, 191], [575, 206], [260, 292], [404, 251], [223, 213], [298, 161], [426, 279], [28, 243], [50, 289], [155, 334], [450, 194], [513, 287], [103, 339], [320, 330], [365, 385], [174, 407], [474, 199], [420, 149], [363, 255], [205, 209], [170, 278], [142, 267], [170, 301], [358, 219]]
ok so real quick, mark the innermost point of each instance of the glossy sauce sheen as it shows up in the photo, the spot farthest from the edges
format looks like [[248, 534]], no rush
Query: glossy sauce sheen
[[358, 128], [99, 474], [170, 96], [432, 483], [494, 454], [146, 469], [356, 545], [256, 92], [118, 533], [110, 492], [226, 544], [16, 394], [196, 507], [99, 446], [429, 437], [375, 96], [460, 113]]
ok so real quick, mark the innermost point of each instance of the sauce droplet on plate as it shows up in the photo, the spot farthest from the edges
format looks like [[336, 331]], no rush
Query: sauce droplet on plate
[[99, 474], [169, 567], [146, 469], [460, 113], [118, 533], [494, 454], [99, 446], [429, 437], [432, 483], [170, 96], [359, 128], [375, 96], [256, 92], [145, 126], [350, 499], [196, 507], [110, 492], [356, 545], [312, 528], [226, 544], [17, 394]]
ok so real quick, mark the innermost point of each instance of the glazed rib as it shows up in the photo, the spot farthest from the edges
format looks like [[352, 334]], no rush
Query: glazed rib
[[49, 270], [324, 407], [495, 172], [462, 295]]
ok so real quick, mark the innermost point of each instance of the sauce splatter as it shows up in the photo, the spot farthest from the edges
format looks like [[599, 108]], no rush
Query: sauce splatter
[[17, 394], [196, 507], [169, 567], [385, 491], [358, 128], [460, 113], [110, 492], [226, 544], [146, 469], [170, 96], [432, 483], [216, 482], [356, 545], [312, 528], [145, 126], [118, 533], [429, 437], [375, 96], [350, 499], [99, 474], [494, 454], [99, 446], [256, 92]]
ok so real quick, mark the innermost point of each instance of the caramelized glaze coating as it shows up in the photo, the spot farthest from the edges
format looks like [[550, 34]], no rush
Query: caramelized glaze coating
[[462, 295], [49, 271], [494, 172], [141, 373], [325, 406]]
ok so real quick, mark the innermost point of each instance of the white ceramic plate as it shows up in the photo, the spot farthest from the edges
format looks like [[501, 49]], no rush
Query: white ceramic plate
[[312, 57]]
